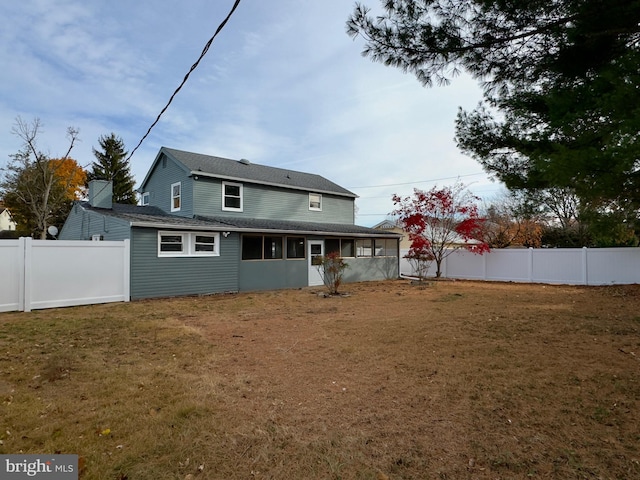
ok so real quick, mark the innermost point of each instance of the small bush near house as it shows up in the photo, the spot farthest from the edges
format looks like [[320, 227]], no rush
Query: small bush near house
[[331, 268]]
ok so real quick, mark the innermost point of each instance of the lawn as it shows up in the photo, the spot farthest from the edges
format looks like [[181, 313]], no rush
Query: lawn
[[452, 380]]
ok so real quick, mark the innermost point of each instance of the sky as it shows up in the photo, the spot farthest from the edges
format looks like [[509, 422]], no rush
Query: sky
[[282, 85]]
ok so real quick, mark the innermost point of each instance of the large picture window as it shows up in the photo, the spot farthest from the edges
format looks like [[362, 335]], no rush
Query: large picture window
[[188, 244], [232, 196], [343, 246]]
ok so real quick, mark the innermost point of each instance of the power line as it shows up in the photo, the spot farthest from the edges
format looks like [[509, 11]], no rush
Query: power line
[[193, 67], [419, 181]]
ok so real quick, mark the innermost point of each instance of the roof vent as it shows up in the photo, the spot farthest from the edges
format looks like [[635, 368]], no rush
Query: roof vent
[[244, 161]]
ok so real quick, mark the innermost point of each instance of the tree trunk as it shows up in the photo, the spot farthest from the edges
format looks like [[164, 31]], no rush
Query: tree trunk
[[438, 271]]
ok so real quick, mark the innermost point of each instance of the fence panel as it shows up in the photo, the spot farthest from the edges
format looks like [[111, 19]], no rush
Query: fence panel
[[613, 266], [45, 273], [558, 265], [508, 265], [578, 266], [65, 273], [11, 259]]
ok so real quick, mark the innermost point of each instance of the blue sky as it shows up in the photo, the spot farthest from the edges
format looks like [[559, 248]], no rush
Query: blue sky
[[282, 85]]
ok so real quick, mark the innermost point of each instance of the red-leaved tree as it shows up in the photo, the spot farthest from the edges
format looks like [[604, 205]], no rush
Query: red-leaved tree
[[439, 222]]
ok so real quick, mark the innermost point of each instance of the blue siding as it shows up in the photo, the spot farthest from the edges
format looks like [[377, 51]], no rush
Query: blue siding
[[82, 224], [165, 173], [265, 202], [371, 268], [273, 274], [152, 276]]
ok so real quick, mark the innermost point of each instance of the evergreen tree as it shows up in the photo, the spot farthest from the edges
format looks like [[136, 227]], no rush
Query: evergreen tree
[[561, 99], [112, 166]]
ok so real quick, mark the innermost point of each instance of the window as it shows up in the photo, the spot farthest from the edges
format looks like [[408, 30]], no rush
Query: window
[[176, 196], [145, 199], [384, 247], [258, 247], [347, 249], [343, 246], [188, 244], [295, 247], [332, 245], [315, 202], [272, 247], [251, 247], [364, 247], [232, 196], [170, 243]]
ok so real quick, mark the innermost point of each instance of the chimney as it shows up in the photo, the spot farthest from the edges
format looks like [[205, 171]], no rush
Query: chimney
[[100, 193]]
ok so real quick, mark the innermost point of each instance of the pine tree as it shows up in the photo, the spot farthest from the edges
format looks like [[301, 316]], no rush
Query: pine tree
[[111, 165]]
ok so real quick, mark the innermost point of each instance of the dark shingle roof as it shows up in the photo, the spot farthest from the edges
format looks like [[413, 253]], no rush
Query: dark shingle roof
[[156, 218], [208, 165], [284, 226], [152, 217]]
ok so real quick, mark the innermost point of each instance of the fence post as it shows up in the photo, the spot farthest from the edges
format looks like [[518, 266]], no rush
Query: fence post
[[585, 280], [530, 265], [28, 272], [484, 265], [127, 270]]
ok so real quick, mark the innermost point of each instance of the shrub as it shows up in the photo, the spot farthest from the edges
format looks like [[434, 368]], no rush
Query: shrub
[[331, 267]]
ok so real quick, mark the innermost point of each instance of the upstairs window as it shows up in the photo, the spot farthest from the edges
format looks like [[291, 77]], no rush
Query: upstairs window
[[176, 196], [145, 199], [315, 202], [232, 196]]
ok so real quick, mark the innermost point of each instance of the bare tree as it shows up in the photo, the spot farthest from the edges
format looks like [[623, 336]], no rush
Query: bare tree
[[33, 185]]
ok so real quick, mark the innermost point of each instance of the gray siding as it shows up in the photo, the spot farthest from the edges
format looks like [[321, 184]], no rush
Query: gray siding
[[371, 268], [159, 187], [152, 276], [273, 274], [264, 202], [82, 224]]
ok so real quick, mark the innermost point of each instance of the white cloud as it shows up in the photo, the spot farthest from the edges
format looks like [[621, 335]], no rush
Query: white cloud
[[282, 85]]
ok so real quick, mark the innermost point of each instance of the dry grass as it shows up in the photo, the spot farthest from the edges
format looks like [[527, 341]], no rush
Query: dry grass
[[455, 380]]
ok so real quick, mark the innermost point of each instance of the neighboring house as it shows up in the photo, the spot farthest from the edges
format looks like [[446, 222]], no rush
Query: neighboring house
[[6, 220], [209, 224], [394, 227], [405, 242]]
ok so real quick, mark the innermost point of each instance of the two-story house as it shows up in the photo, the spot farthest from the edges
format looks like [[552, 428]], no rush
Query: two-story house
[[208, 224]]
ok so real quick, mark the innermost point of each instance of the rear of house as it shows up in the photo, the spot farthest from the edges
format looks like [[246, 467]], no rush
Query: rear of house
[[209, 225]]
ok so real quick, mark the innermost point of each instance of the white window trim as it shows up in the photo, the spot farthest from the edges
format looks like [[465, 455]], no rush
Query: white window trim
[[233, 209], [189, 244], [144, 199], [178, 184], [315, 209]]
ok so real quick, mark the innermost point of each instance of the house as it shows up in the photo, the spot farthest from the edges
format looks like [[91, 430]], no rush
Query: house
[[208, 224], [6, 220], [393, 226]]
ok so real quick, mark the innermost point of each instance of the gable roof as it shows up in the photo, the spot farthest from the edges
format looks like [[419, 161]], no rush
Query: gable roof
[[245, 171]]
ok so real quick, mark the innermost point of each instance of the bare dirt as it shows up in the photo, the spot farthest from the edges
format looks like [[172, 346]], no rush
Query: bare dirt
[[394, 380]]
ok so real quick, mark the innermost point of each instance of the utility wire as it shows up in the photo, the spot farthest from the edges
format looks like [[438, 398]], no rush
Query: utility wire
[[193, 67], [419, 181]]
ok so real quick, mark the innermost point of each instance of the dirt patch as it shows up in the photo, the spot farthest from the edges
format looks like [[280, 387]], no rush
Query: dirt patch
[[394, 380]]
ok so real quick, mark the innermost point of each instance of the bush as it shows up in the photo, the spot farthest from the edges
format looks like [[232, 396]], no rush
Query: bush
[[331, 268]]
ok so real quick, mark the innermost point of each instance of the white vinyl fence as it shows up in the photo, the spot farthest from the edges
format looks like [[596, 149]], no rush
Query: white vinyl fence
[[45, 273], [573, 266]]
